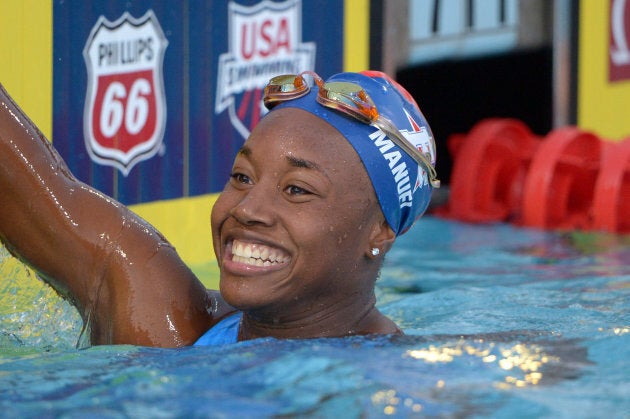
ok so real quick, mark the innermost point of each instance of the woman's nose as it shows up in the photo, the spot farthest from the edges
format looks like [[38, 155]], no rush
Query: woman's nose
[[255, 206]]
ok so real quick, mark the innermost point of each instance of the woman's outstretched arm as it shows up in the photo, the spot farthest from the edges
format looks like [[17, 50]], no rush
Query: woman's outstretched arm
[[126, 280]]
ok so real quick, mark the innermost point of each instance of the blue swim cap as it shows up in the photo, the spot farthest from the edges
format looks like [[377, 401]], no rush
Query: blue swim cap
[[401, 185]]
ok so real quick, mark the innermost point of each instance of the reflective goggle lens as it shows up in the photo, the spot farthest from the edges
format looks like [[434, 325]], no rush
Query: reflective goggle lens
[[285, 87]]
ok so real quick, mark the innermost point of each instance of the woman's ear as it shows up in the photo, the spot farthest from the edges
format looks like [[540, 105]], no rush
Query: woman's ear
[[381, 239]]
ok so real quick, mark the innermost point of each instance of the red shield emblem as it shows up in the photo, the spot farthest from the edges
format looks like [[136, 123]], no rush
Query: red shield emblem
[[125, 106]]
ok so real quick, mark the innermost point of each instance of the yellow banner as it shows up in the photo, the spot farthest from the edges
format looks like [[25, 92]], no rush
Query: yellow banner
[[356, 41], [602, 104], [26, 57]]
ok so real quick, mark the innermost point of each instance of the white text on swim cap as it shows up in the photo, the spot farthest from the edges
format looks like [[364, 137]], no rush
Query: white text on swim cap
[[397, 167]]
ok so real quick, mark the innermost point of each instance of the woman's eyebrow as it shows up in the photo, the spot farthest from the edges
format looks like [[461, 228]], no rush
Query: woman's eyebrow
[[244, 151], [307, 164]]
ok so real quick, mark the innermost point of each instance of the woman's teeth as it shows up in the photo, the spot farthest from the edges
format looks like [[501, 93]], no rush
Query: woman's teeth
[[257, 254]]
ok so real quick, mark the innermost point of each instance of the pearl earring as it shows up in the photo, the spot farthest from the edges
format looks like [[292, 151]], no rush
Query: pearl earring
[[375, 251]]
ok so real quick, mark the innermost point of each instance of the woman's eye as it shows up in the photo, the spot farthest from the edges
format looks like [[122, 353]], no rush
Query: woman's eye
[[241, 178], [296, 190]]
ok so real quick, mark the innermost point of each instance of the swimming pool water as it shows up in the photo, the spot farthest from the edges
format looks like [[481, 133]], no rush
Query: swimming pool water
[[500, 322]]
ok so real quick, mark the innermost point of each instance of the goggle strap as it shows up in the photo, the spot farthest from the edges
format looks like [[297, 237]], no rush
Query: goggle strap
[[392, 132]]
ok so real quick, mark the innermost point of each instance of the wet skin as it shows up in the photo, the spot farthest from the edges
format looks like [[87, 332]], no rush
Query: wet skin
[[126, 280], [299, 197], [298, 193]]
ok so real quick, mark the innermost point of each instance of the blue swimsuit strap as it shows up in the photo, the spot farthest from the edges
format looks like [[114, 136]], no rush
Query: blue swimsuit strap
[[222, 333]]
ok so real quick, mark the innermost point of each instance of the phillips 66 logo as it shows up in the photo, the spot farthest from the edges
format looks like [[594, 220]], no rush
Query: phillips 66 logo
[[125, 107], [264, 40]]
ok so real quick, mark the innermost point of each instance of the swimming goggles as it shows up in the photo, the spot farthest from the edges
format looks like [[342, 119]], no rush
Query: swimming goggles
[[349, 99]]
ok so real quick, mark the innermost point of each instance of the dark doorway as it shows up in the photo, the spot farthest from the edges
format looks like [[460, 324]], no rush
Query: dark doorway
[[456, 94]]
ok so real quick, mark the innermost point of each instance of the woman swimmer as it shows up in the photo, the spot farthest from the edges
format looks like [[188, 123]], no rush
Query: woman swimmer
[[317, 195]]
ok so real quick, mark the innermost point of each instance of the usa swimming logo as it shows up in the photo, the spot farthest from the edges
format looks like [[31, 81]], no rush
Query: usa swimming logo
[[125, 106], [264, 40], [422, 140], [419, 137]]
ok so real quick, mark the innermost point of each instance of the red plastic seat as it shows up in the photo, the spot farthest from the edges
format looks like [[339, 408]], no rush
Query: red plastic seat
[[560, 184], [611, 203], [489, 170]]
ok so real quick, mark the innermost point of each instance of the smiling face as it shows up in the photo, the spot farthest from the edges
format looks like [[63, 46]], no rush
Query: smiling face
[[293, 225]]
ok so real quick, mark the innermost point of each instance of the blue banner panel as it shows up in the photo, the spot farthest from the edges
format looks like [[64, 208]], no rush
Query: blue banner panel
[[152, 99]]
